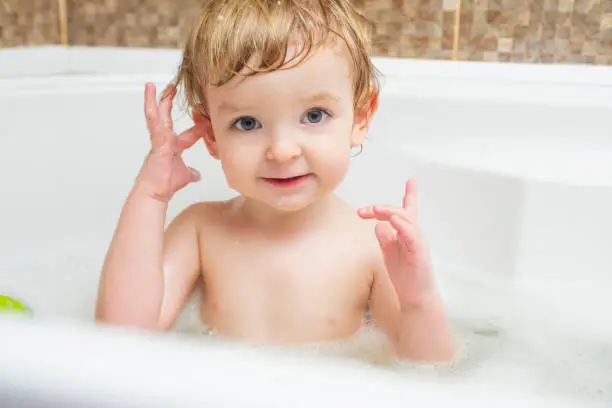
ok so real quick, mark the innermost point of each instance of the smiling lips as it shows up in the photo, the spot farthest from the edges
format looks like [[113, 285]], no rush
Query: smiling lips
[[287, 182]]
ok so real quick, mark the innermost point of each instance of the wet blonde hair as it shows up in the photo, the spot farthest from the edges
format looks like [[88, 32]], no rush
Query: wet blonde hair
[[228, 34]]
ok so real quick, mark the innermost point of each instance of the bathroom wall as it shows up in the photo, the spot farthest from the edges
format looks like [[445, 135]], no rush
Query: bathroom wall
[[28, 22], [538, 31]]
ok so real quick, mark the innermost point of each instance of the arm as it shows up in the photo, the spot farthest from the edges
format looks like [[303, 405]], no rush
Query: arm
[[148, 274], [419, 331], [405, 301]]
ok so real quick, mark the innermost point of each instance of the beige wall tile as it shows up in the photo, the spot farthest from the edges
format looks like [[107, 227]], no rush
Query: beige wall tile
[[564, 31], [28, 22]]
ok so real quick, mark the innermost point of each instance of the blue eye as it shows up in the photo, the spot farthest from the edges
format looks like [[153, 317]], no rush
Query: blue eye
[[247, 123], [316, 116]]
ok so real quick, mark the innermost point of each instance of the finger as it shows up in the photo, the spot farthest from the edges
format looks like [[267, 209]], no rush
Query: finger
[[406, 232], [165, 106], [152, 115], [384, 234], [400, 223], [410, 199], [369, 213], [194, 175], [384, 212], [150, 106], [190, 136]]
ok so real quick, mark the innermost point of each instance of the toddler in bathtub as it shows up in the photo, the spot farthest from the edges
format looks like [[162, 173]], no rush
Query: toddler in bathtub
[[281, 92]]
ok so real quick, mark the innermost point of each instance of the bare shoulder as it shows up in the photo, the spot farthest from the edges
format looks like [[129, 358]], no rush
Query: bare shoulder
[[202, 211], [363, 235], [357, 224], [193, 220]]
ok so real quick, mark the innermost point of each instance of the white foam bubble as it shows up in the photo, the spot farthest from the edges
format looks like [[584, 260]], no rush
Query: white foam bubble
[[500, 344]]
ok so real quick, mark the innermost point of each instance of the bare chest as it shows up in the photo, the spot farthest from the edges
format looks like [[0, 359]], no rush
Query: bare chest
[[308, 286]]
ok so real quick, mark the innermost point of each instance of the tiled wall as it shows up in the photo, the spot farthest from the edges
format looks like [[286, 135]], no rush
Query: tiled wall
[[572, 31], [542, 31], [28, 22]]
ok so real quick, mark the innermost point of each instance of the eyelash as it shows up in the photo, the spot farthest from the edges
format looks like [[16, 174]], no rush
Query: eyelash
[[326, 112]]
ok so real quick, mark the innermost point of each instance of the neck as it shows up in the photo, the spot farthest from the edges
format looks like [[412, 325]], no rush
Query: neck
[[268, 217]]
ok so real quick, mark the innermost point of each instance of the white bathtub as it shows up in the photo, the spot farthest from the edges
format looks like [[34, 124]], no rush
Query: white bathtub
[[515, 170]]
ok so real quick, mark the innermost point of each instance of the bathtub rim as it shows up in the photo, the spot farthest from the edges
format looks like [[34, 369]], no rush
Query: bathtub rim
[[52, 59], [103, 69], [580, 86], [43, 367]]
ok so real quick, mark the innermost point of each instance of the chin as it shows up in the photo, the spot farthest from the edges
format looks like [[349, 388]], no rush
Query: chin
[[290, 204], [286, 201]]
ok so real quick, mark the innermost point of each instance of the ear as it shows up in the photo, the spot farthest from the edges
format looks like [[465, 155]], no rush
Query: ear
[[363, 117], [209, 135]]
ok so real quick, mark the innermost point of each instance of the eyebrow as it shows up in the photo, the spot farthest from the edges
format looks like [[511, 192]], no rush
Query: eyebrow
[[320, 97], [228, 107]]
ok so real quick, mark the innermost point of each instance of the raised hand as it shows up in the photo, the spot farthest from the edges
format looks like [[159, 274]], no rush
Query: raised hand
[[404, 249], [164, 171]]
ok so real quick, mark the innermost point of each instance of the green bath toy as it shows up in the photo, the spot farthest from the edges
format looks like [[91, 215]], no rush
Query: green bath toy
[[8, 305]]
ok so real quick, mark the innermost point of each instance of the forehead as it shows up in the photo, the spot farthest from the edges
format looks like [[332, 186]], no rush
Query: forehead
[[327, 68]]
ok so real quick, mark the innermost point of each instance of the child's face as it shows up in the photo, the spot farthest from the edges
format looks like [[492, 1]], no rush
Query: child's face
[[285, 138]]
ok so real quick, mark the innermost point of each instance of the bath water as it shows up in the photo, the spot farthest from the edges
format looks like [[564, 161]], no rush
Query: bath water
[[499, 346], [498, 350]]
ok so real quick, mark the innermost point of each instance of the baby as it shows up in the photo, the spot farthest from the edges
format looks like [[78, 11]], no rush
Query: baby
[[281, 94]]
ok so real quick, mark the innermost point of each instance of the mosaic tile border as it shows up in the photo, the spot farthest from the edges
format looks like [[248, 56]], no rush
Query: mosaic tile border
[[535, 31]]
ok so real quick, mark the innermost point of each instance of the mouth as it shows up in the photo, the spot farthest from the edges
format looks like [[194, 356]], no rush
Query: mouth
[[287, 182]]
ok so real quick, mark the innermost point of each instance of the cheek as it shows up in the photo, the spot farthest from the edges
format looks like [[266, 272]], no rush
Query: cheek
[[238, 163], [336, 162], [334, 173], [333, 155]]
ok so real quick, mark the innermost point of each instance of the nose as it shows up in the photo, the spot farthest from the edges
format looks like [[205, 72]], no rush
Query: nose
[[283, 148]]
